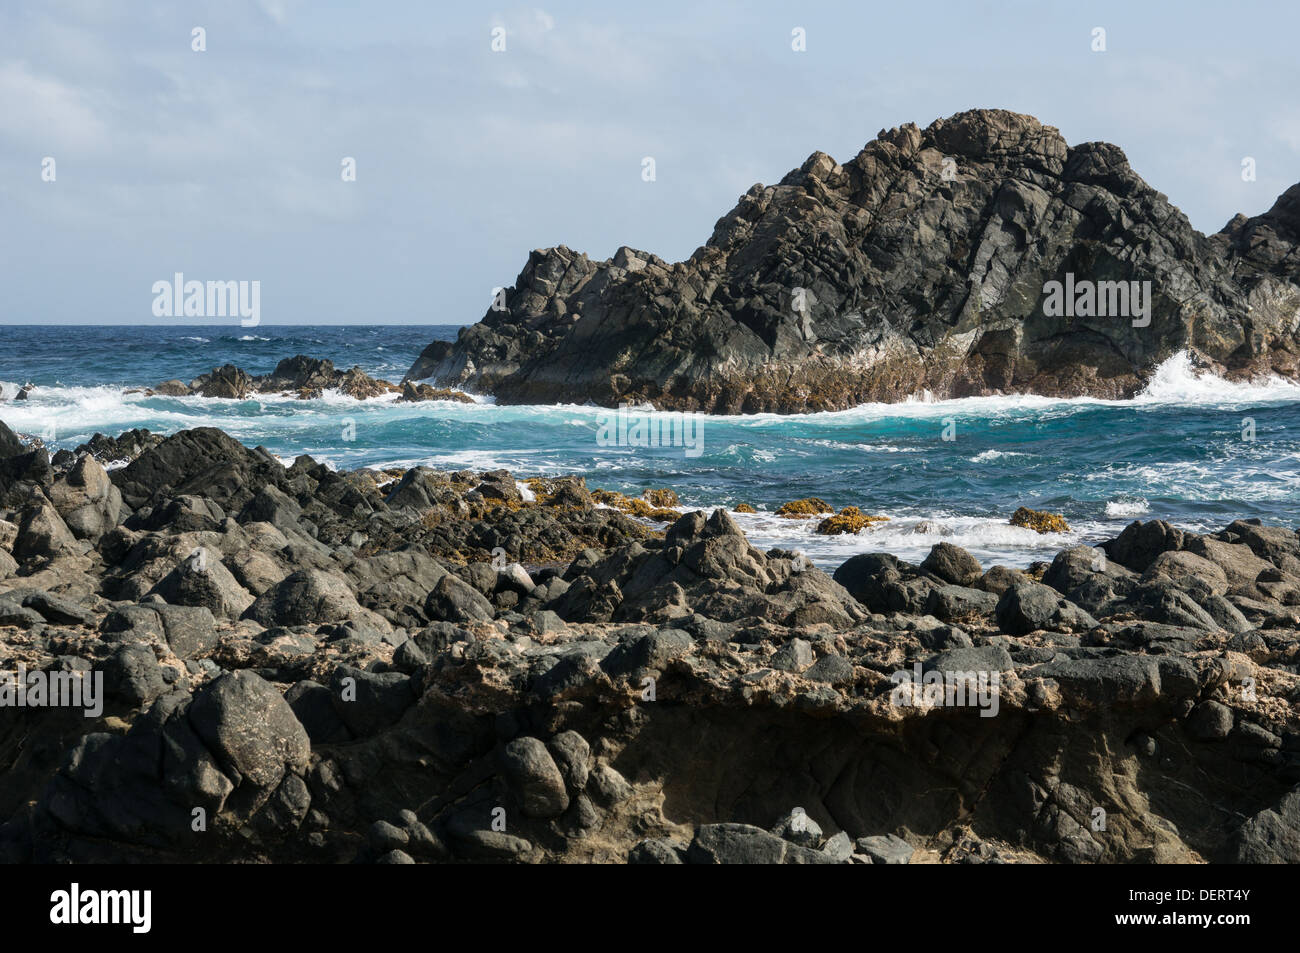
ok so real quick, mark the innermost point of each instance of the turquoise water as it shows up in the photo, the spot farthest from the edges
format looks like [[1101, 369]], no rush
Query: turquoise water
[[1176, 452]]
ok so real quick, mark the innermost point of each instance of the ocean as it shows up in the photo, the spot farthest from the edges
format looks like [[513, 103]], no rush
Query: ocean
[[1194, 450]]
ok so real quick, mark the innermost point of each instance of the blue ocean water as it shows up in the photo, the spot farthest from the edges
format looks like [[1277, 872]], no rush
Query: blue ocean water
[[1179, 451]]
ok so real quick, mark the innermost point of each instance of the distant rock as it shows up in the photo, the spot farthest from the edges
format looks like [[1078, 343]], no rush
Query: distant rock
[[306, 378]]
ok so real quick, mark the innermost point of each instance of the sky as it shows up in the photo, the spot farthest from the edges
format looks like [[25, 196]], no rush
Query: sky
[[226, 163]]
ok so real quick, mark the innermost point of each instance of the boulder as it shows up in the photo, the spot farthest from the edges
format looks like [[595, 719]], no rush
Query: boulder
[[87, 500], [952, 564], [534, 778], [306, 596]]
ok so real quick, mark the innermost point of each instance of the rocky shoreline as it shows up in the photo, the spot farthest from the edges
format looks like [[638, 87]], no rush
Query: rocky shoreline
[[937, 260], [303, 377], [300, 664]]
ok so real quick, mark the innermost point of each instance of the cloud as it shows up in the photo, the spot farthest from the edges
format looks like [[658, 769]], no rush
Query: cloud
[[45, 113]]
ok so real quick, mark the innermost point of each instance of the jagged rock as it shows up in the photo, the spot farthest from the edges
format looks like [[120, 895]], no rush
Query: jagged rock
[[417, 392], [42, 532], [795, 656], [120, 449], [87, 500], [227, 381], [10, 445], [209, 585], [881, 277], [203, 461]]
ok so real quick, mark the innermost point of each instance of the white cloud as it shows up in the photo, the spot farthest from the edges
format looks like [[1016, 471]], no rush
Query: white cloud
[[45, 113]]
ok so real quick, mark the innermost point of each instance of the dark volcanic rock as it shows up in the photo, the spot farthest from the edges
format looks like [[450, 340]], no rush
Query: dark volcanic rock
[[204, 461], [393, 696], [919, 264]]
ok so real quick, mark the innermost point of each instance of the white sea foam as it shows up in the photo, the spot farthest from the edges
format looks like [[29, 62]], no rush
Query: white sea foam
[[990, 539], [1126, 508], [1176, 381]]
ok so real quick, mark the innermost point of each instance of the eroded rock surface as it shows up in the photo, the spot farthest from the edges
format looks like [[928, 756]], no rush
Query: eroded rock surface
[[918, 265], [302, 664]]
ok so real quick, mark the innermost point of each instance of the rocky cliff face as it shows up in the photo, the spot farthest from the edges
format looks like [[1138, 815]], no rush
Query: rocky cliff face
[[919, 265]]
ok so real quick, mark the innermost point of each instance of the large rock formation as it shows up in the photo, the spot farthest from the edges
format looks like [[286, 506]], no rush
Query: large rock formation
[[919, 265]]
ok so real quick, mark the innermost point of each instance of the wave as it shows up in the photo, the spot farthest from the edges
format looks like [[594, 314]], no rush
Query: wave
[[1178, 381], [1127, 508]]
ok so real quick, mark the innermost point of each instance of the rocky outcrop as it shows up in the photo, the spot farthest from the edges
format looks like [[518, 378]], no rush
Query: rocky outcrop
[[300, 665], [306, 378], [920, 265]]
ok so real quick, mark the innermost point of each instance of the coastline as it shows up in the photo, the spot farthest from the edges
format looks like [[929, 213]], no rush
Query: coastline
[[311, 646]]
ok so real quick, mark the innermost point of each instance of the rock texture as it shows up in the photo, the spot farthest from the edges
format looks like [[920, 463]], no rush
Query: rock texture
[[917, 266], [306, 665], [304, 377]]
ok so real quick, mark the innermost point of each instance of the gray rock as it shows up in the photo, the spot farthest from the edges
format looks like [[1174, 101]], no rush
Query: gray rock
[[745, 844], [206, 583], [885, 849], [305, 596], [952, 564], [1271, 836], [133, 675], [250, 728], [534, 778], [453, 600], [954, 603], [573, 757], [839, 847], [984, 658], [798, 828], [795, 656], [832, 669]]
